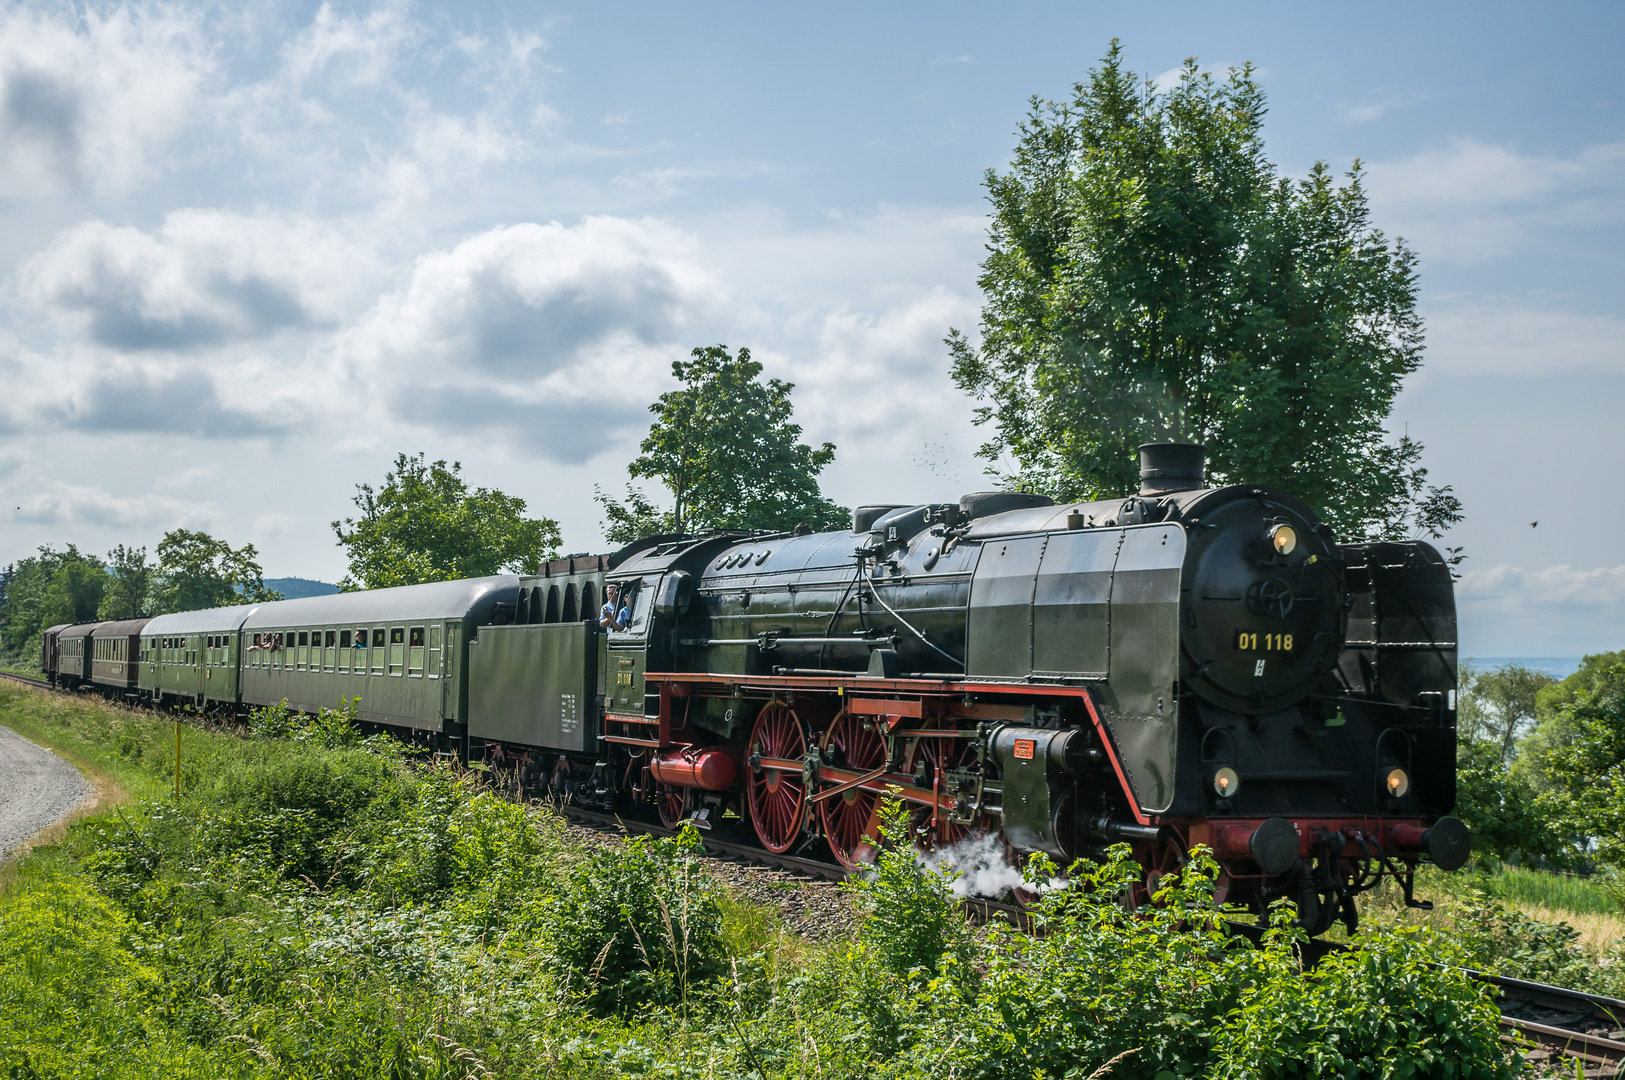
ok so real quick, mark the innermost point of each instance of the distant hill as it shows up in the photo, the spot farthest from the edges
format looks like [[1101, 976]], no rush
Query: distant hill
[[295, 587]]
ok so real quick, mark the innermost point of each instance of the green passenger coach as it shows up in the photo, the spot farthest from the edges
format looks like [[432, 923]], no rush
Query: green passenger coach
[[191, 656], [403, 652]]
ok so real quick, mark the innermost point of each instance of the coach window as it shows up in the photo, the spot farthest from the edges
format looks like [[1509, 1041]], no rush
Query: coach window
[[378, 647], [397, 649], [331, 640], [414, 652], [434, 651], [344, 651], [303, 645], [358, 645]]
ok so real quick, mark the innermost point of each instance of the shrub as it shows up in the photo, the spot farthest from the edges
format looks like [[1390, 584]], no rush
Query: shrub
[[637, 925], [911, 921], [1167, 992]]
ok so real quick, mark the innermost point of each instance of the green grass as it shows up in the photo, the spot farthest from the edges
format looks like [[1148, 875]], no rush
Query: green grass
[[315, 906], [1556, 892]]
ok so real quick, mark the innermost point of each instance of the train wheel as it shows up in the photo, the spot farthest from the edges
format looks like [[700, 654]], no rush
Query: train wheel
[[673, 804], [1160, 858], [851, 819], [777, 795], [1026, 897], [938, 755]]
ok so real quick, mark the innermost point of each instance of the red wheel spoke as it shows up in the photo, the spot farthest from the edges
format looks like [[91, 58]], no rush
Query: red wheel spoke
[[847, 817], [777, 799]]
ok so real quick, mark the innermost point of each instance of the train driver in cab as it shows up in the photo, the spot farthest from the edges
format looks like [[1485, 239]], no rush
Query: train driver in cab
[[614, 615]]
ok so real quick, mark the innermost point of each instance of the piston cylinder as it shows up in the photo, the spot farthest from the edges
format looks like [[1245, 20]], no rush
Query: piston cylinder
[[711, 770]]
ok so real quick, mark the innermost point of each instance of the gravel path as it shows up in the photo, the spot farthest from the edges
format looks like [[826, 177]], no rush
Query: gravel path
[[37, 789]]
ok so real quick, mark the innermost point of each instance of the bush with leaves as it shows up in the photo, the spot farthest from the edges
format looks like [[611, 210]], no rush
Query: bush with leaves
[[1167, 992], [637, 925]]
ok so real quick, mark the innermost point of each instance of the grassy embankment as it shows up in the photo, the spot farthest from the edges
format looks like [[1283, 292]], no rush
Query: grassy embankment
[[316, 906]]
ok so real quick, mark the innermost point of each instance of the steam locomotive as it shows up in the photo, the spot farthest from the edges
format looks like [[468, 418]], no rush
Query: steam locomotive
[[1189, 665]]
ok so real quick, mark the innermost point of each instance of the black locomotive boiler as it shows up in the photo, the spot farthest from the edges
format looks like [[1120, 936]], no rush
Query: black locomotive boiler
[[1187, 666]]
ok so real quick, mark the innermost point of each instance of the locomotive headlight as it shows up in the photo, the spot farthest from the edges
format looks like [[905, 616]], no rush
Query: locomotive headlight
[[1398, 782], [1226, 782], [1285, 539]]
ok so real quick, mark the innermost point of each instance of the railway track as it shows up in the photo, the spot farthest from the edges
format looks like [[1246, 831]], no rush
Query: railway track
[[1542, 1020]]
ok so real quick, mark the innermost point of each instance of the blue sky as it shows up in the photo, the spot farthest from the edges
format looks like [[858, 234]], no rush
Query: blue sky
[[246, 256]]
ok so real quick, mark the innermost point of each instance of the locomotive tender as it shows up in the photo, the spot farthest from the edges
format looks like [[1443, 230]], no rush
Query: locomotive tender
[[1186, 666]]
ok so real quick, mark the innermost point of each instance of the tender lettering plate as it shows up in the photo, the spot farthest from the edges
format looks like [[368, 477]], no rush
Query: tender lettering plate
[[1025, 748], [1260, 641]]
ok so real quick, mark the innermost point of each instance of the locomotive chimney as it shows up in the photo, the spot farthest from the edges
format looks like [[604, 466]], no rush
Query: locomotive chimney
[[1168, 467]]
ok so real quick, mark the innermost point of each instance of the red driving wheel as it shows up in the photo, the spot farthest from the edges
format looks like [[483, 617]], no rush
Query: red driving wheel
[[1159, 858], [851, 820], [774, 788], [672, 803], [937, 755]]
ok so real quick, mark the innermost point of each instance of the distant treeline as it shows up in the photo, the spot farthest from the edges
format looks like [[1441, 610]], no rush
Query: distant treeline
[[189, 570]]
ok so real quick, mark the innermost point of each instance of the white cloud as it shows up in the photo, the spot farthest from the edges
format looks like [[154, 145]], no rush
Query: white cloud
[[1506, 336], [204, 279], [362, 50], [537, 329], [87, 101], [1471, 201], [64, 506], [1508, 610]]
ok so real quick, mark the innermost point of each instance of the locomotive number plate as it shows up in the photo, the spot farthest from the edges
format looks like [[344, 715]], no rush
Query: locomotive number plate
[[1253, 641]]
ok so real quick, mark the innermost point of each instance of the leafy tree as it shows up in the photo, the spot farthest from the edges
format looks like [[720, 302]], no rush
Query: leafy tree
[[1510, 694], [425, 524], [1151, 277], [724, 445], [1575, 757], [75, 592], [634, 519], [129, 585], [196, 571], [35, 598]]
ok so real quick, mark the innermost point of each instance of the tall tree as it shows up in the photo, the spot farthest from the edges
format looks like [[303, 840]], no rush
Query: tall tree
[[1510, 693], [30, 605], [1151, 277], [425, 524], [197, 571], [725, 447], [129, 585], [75, 592]]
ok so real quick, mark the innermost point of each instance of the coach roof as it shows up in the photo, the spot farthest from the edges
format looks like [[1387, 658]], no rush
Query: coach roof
[[207, 621], [406, 603]]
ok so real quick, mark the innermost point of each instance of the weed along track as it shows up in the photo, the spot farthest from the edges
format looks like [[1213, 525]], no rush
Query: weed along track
[[1546, 1021], [353, 881]]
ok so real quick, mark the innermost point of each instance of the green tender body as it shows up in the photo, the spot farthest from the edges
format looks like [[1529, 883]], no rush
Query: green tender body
[[537, 685]]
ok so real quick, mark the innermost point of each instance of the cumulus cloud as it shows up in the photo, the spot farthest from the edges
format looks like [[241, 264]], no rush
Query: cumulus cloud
[[1502, 609], [528, 301], [87, 99], [1471, 201], [177, 403], [62, 505], [1511, 587], [204, 279], [536, 329]]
